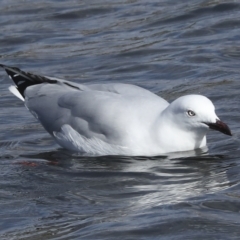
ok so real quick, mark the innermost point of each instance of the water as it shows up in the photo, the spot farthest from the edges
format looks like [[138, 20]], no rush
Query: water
[[172, 48]]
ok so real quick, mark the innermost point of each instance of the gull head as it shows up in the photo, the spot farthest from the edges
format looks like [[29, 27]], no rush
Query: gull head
[[196, 113]]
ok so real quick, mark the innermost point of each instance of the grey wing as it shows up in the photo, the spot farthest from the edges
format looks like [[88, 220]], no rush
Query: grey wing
[[110, 111], [91, 113]]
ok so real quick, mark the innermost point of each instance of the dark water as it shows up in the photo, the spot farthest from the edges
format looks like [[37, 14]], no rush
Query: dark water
[[170, 47]]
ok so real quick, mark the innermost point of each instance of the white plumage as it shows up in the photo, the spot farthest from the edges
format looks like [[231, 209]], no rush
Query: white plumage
[[115, 119]]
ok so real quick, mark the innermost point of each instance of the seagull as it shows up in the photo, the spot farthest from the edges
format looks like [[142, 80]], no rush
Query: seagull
[[115, 118]]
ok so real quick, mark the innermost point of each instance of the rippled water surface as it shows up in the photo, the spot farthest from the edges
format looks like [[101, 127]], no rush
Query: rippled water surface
[[172, 48]]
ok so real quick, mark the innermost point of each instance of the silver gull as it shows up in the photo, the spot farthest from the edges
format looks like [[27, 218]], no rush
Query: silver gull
[[115, 118]]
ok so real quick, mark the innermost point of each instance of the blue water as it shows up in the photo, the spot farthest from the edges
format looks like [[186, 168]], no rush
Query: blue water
[[172, 48]]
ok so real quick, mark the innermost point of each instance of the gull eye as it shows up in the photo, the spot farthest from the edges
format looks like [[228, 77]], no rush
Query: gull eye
[[191, 113]]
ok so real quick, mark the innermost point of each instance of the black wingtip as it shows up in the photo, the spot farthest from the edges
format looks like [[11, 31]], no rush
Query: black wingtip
[[23, 79]]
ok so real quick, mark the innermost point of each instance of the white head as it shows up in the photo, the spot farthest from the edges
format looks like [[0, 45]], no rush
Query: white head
[[196, 113], [189, 118]]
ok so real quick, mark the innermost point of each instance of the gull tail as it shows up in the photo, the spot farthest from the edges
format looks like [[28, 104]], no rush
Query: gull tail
[[23, 80]]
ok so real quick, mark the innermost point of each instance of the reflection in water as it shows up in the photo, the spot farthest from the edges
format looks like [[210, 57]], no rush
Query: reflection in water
[[97, 192], [167, 180]]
